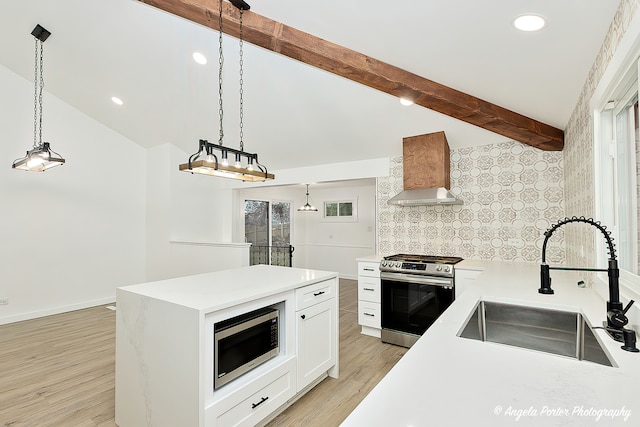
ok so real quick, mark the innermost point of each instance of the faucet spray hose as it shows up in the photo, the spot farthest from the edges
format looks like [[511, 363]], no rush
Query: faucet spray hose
[[591, 221], [613, 272]]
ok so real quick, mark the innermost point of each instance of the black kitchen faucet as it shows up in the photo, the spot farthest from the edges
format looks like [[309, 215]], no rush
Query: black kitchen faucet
[[616, 314]]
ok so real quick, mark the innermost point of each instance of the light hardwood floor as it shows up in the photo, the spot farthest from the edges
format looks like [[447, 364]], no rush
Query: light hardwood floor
[[59, 370], [364, 360]]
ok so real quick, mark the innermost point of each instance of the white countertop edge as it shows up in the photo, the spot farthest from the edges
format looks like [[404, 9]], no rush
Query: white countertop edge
[[370, 258], [204, 243], [218, 290]]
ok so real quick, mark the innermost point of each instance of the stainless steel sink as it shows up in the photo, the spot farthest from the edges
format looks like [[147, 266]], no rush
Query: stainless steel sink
[[563, 333]]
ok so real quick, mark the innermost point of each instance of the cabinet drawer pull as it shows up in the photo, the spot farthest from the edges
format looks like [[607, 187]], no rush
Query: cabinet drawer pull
[[368, 289], [303, 317], [368, 269], [255, 405], [369, 314], [318, 293]]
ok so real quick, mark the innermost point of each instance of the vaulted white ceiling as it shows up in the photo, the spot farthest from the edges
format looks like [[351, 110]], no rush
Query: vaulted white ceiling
[[295, 115]]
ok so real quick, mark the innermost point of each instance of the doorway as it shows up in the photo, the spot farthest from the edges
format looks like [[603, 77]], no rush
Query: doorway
[[267, 226]]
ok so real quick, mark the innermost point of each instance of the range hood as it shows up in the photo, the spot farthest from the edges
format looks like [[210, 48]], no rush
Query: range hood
[[426, 169], [425, 197]]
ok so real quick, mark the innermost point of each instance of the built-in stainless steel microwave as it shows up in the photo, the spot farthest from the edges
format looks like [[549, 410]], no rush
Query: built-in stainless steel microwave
[[243, 342]]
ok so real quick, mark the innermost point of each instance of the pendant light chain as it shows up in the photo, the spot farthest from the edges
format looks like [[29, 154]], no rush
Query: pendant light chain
[[220, 64], [40, 93], [38, 85], [35, 96], [241, 87]]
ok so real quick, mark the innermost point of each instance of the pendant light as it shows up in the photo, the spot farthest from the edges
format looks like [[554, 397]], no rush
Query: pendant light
[[205, 161], [41, 157], [307, 207]]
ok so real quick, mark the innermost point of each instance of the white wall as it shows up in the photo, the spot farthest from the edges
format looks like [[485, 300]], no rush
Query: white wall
[[343, 171], [319, 244], [189, 220], [334, 246], [71, 235]]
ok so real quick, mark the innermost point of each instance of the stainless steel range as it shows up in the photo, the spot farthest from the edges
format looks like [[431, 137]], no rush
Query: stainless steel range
[[416, 289]]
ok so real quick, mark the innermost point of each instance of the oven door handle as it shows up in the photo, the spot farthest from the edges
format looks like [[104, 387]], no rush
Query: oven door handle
[[421, 280]]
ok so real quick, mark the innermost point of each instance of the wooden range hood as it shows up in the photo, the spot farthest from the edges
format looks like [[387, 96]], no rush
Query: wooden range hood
[[288, 41], [426, 171]]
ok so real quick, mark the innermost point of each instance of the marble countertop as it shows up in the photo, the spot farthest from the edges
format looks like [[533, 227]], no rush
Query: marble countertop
[[221, 289], [445, 380]]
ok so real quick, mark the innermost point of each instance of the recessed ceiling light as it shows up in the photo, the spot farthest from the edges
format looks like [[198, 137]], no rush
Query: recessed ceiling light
[[117, 100], [406, 101], [529, 22], [199, 58]]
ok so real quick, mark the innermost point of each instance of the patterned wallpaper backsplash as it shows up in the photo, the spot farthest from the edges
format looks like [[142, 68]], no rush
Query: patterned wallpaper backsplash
[[578, 143], [512, 193]]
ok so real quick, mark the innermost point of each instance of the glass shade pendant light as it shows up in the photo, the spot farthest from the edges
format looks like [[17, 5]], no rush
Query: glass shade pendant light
[[41, 157], [307, 207], [205, 161]]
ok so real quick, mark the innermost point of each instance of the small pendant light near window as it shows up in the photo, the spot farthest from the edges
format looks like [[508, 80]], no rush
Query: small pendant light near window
[[205, 161], [41, 157], [307, 207]]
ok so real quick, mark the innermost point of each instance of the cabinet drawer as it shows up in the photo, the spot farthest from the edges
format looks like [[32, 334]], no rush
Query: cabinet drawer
[[316, 293], [371, 269], [369, 289], [369, 314], [261, 403]]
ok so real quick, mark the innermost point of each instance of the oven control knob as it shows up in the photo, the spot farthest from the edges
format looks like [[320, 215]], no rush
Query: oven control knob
[[447, 269], [383, 264], [439, 268], [398, 264]]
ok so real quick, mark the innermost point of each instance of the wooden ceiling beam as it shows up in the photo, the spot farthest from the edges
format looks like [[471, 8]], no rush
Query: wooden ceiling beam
[[319, 53]]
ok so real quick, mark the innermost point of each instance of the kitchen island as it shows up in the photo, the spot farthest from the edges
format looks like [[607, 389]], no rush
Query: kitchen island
[[165, 345], [447, 380]]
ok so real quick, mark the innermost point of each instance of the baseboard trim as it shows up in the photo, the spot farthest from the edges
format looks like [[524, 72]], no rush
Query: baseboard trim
[[55, 310], [372, 332]]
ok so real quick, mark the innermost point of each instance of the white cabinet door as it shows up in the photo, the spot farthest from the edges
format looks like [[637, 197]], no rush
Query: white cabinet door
[[316, 347]]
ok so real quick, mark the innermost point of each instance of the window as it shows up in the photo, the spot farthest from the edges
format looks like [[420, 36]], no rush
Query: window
[[626, 176], [340, 211], [617, 154]]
